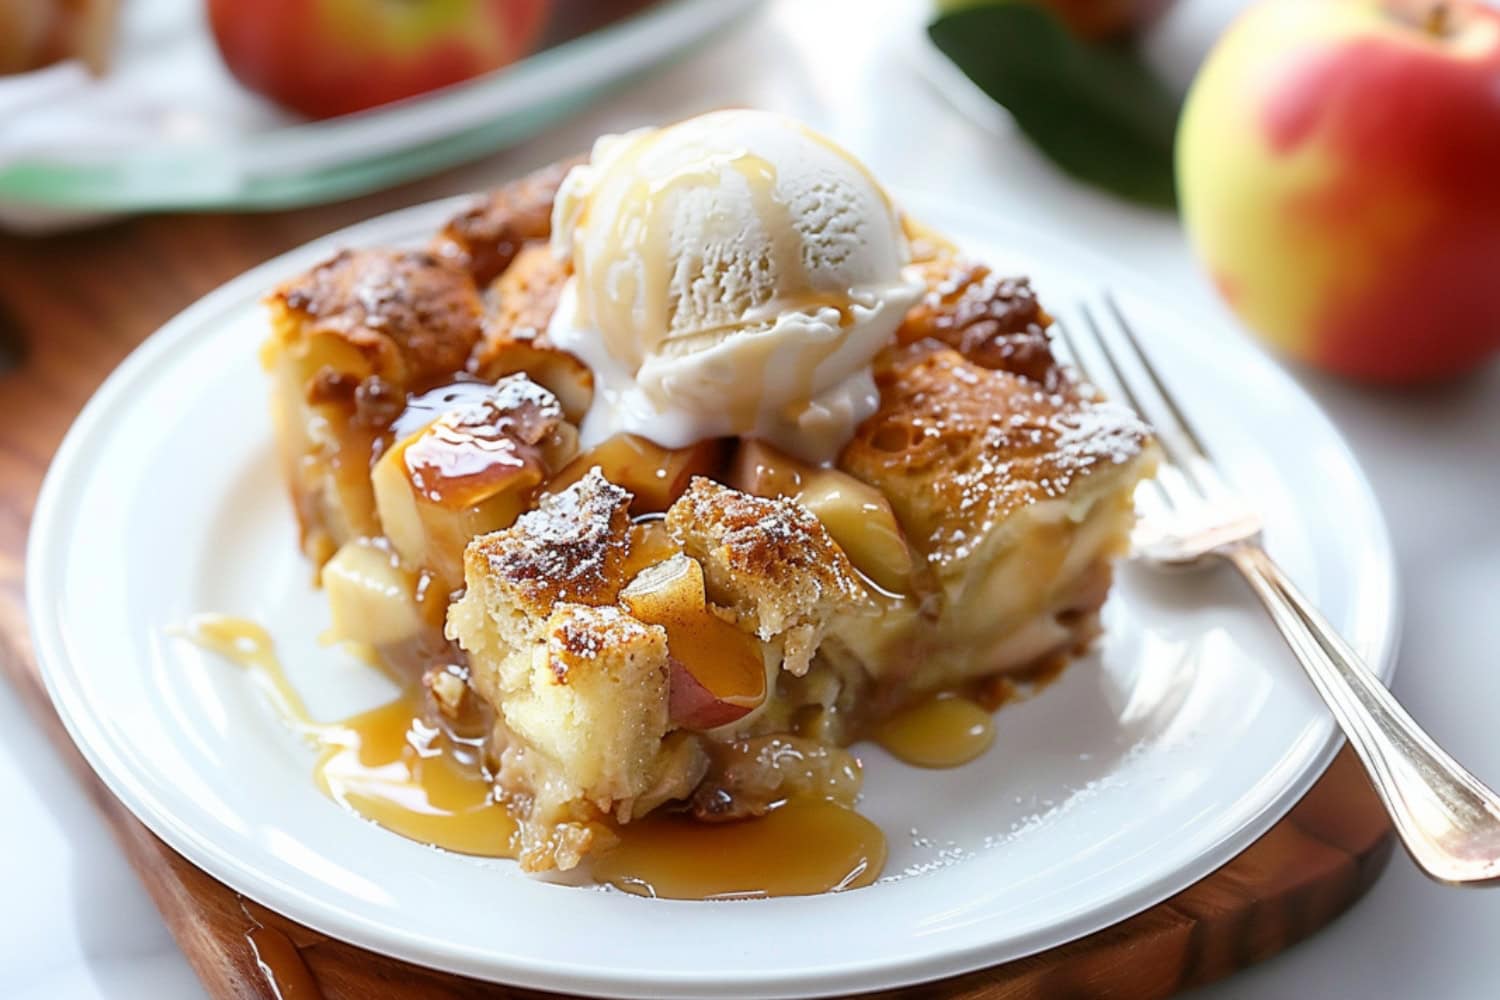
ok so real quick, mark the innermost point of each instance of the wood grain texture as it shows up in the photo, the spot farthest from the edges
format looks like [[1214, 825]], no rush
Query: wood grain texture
[[72, 306]]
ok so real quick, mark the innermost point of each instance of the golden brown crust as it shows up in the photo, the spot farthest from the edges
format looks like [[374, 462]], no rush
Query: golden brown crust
[[994, 321], [412, 316], [519, 306], [770, 561], [772, 538], [573, 547], [487, 236], [523, 298], [958, 448]]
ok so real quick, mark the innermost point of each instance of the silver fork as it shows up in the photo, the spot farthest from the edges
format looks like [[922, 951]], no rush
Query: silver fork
[[1448, 820]]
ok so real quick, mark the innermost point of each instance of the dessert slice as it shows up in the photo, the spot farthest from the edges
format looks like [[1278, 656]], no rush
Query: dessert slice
[[673, 517]]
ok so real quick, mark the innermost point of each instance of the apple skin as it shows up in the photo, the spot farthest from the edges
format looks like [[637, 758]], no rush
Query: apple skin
[[1337, 169], [324, 58], [717, 673], [693, 706]]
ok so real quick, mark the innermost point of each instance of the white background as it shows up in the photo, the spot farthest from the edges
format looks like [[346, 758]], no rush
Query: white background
[[74, 921]]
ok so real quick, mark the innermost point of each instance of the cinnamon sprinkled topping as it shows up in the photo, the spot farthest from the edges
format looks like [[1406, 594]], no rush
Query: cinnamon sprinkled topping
[[581, 634], [771, 538], [486, 236], [412, 315]]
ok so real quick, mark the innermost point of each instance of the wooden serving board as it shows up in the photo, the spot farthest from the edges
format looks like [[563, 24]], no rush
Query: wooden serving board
[[72, 306]]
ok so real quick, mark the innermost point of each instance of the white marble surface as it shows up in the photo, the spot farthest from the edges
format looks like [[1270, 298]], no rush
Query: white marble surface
[[75, 923]]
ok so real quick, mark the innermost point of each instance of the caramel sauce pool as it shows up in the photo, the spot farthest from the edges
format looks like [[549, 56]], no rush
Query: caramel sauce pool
[[803, 847], [942, 731], [387, 764], [391, 767]]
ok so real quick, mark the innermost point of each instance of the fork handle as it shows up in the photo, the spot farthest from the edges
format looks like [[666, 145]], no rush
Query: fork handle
[[1447, 819]]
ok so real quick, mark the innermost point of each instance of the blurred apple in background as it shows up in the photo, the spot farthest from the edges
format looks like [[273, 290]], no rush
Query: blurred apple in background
[[1338, 168], [332, 57], [1089, 19]]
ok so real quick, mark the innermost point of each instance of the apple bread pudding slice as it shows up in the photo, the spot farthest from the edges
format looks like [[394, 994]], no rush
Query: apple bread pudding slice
[[623, 673], [706, 627]]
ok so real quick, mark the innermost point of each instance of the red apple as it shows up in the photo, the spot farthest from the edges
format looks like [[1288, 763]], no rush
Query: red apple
[[334, 57], [1337, 167]]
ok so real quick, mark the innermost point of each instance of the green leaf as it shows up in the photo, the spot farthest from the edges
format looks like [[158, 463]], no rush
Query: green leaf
[[1095, 109]]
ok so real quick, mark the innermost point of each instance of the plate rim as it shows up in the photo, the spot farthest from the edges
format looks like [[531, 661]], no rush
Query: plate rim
[[302, 906]]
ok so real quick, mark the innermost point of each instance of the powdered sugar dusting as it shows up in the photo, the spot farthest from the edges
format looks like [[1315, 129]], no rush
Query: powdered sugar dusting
[[569, 548], [962, 448]]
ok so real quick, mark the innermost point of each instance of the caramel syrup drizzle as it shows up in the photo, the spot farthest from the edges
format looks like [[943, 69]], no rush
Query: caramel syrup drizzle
[[392, 767]]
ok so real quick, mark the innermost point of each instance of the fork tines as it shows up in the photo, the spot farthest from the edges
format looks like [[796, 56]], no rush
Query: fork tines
[[1121, 369]]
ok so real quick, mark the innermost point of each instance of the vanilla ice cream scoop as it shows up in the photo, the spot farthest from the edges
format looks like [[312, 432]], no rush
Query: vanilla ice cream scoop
[[733, 274]]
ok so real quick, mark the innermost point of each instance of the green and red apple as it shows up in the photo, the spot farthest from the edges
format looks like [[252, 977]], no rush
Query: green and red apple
[[333, 57], [1338, 167]]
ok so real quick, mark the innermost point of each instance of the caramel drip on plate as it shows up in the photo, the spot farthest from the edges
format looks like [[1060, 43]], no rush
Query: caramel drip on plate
[[250, 646], [387, 764], [942, 731], [805, 846], [391, 766]]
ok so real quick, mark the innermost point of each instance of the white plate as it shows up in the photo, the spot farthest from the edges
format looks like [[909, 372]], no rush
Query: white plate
[[1148, 765]]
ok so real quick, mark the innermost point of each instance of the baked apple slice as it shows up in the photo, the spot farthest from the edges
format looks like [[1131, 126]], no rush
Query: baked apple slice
[[373, 598], [656, 475], [718, 673], [472, 470]]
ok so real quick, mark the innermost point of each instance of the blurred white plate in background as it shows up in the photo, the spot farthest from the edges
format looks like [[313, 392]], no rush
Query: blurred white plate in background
[[169, 128]]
